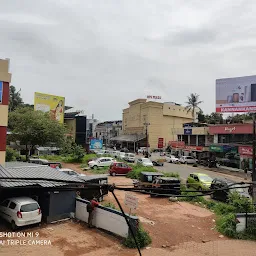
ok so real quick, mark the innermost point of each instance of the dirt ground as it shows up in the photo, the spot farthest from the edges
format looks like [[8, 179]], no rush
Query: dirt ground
[[176, 229]]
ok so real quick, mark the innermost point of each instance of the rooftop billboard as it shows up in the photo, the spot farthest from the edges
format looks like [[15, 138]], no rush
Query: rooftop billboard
[[50, 103], [237, 94]]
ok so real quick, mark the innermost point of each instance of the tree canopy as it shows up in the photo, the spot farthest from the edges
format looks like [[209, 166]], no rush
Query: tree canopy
[[193, 103], [15, 99], [35, 128]]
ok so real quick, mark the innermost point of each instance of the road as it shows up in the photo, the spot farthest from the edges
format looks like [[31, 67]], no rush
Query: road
[[185, 170]]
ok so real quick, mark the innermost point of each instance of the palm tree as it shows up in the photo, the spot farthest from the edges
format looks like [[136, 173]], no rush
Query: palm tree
[[193, 104]]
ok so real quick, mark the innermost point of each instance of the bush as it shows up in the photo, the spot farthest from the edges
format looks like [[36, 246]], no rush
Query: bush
[[240, 203], [223, 209], [11, 154], [142, 237], [137, 169], [226, 224], [88, 157]]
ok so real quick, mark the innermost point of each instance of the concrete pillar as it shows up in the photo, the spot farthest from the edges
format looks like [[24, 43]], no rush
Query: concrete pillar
[[215, 138], [188, 140], [196, 140]]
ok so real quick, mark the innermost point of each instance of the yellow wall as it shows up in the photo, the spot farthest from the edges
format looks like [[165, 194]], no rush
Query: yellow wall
[[3, 115], [2, 157], [164, 120]]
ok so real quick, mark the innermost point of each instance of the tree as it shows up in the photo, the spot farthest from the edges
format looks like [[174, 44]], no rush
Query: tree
[[32, 128], [214, 118], [193, 103], [15, 99]]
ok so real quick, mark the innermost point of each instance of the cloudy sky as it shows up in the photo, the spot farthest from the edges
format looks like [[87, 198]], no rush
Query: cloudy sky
[[102, 54]]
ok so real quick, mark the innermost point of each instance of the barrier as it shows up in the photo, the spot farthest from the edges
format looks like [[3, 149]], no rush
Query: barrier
[[106, 218]]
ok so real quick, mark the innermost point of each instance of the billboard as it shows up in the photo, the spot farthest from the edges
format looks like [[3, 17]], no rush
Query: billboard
[[1, 91], [236, 94], [50, 103], [96, 144]]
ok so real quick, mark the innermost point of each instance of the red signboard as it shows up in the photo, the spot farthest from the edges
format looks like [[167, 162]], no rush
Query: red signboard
[[160, 142], [193, 148], [231, 129], [245, 150], [177, 144]]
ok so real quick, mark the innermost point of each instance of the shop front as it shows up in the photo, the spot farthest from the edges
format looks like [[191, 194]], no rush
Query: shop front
[[194, 150], [245, 155]]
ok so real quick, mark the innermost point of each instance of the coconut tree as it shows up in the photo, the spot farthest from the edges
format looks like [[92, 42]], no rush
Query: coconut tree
[[193, 103]]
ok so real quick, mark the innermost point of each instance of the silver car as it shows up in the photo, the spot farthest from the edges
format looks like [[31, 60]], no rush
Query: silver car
[[188, 160]]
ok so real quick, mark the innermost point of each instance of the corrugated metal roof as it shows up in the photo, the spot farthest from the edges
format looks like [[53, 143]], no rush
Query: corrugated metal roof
[[32, 172], [20, 164]]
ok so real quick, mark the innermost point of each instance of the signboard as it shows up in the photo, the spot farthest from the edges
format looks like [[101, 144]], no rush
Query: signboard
[[187, 131], [245, 150], [222, 148], [96, 144], [236, 94], [154, 97], [50, 103], [231, 129], [193, 148], [160, 142], [1, 91], [131, 201], [177, 144]]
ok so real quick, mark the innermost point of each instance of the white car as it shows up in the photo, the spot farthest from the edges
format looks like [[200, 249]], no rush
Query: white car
[[121, 155], [101, 162], [129, 157], [145, 162], [20, 211], [172, 159], [188, 160], [71, 172], [103, 152]]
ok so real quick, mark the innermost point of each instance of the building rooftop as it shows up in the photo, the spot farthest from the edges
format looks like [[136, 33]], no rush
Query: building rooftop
[[30, 172]]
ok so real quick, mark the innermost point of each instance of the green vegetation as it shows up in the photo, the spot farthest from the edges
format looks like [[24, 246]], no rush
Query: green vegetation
[[226, 222], [137, 169], [11, 154], [100, 170], [109, 205], [33, 128], [142, 237], [171, 174]]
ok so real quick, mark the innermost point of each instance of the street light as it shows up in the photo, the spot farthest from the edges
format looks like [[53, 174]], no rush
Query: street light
[[147, 124]]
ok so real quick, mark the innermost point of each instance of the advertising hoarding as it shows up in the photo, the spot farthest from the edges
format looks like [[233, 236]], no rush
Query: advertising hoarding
[[236, 94], [50, 103], [160, 142], [1, 91], [96, 144]]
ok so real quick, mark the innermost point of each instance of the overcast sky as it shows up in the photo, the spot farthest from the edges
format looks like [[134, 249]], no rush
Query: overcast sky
[[102, 54]]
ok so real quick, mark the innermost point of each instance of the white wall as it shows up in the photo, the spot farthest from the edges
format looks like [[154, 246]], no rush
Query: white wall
[[104, 218], [241, 218]]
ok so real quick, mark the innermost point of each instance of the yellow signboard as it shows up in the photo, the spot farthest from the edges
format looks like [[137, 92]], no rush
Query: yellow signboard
[[50, 103]]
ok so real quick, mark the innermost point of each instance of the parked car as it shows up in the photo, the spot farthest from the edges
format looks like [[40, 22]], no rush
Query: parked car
[[222, 195], [119, 168], [144, 162], [199, 181], [188, 160], [158, 163], [129, 157], [166, 185], [172, 159], [121, 155], [20, 211], [71, 172], [101, 162], [103, 152]]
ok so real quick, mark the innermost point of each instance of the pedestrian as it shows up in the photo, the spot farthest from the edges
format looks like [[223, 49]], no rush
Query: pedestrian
[[90, 209]]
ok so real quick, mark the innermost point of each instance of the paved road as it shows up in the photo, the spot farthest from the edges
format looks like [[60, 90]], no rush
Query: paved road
[[185, 170]]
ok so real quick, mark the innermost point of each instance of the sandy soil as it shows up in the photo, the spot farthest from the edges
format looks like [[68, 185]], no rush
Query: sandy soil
[[176, 229]]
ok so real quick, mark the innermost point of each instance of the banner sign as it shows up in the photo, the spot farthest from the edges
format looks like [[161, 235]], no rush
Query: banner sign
[[236, 94], [160, 142], [96, 144]]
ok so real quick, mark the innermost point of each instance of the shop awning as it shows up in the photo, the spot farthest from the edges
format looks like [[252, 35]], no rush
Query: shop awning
[[128, 138]]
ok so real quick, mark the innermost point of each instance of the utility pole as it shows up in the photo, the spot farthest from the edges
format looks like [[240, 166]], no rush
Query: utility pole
[[147, 124], [253, 161]]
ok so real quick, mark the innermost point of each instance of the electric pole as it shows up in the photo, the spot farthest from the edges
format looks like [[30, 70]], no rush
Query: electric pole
[[253, 161], [147, 124]]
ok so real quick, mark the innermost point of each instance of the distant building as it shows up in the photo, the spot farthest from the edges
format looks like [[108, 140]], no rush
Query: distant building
[[160, 119], [107, 130]]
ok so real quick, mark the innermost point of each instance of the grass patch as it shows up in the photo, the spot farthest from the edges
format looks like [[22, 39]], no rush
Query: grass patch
[[171, 174], [226, 221], [109, 205], [142, 237], [100, 170]]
